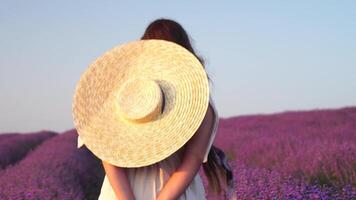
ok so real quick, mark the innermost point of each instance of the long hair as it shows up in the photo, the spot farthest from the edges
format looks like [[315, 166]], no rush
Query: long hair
[[217, 169]]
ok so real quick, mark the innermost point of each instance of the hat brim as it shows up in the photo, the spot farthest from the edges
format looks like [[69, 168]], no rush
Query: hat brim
[[126, 144]]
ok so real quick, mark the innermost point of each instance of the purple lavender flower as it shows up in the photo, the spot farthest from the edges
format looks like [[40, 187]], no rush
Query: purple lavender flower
[[14, 147], [4, 136], [289, 155], [316, 148], [54, 170]]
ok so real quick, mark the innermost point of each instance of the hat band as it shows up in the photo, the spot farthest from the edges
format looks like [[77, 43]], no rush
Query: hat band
[[140, 100]]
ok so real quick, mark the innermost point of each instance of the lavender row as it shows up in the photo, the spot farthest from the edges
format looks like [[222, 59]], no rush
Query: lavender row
[[14, 147], [4, 136], [257, 183], [317, 145], [55, 170]]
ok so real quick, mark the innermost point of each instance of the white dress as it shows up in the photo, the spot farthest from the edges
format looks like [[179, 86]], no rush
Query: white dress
[[146, 182]]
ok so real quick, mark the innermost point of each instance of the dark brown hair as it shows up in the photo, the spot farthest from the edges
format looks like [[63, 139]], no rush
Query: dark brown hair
[[217, 169]]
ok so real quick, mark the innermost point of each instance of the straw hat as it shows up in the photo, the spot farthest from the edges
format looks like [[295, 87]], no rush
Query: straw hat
[[140, 102]]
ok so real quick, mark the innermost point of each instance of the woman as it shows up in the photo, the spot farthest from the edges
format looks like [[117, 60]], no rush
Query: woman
[[175, 177]]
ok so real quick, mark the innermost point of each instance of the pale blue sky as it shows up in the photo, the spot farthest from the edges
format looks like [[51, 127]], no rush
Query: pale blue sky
[[263, 56]]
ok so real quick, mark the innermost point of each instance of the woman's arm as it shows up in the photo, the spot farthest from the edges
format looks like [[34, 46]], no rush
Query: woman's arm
[[119, 182], [192, 160]]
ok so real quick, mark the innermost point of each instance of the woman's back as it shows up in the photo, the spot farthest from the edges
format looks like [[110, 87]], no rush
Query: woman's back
[[146, 182]]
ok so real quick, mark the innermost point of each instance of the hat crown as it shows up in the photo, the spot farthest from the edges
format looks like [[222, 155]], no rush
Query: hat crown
[[140, 100]]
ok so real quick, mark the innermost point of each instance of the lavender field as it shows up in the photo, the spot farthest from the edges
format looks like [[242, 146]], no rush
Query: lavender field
[[289, 155], [292, 155]]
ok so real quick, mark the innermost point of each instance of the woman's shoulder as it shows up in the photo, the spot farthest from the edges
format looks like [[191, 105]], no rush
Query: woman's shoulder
[[80, 142], [213, 131], [214, 109]]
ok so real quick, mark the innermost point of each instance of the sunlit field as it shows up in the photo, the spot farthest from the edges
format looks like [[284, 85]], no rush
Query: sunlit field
[[289, 155]]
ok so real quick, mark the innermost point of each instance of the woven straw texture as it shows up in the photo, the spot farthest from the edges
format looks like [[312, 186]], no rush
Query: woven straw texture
[[140, 102]]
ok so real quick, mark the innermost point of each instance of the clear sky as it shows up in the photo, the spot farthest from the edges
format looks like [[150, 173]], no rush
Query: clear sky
[[263, 56]]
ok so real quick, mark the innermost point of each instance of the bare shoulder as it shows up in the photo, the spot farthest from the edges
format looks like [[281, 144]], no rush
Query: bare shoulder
[[208, 120], [198, 143]]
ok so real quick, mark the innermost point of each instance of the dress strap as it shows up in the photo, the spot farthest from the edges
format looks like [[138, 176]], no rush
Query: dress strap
[[214, 129], [80, 142]]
